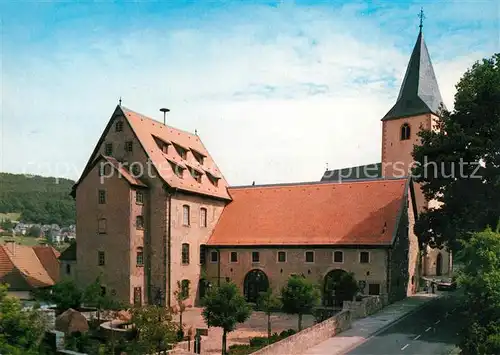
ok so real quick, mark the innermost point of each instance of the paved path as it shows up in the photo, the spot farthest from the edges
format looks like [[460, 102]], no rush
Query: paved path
[[363, 329], [431, 330]]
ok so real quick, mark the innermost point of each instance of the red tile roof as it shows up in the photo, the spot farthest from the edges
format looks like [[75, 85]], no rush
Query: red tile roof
[[26, 267], [146, 129], [353, 213], [123, 171]]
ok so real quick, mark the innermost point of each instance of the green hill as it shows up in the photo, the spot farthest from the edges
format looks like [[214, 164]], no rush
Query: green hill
[[38, 199]]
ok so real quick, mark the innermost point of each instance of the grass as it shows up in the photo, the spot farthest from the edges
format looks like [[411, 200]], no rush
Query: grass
[[12, 216], [29, 241]]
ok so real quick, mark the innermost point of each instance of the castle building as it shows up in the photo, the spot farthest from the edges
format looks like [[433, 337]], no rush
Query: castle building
[[155, 214]]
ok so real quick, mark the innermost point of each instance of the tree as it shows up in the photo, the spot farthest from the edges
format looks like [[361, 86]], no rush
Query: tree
[[480, 279], [299, 296], [181, 294], [458, 164], [7, 224], [342, 285], [93, 296], [268, 303], [65, 294], [21, 331], [224, 307], [35, 231], [154, 328]]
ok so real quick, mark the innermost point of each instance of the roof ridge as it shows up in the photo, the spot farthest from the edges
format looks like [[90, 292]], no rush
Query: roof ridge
[[312, 183]]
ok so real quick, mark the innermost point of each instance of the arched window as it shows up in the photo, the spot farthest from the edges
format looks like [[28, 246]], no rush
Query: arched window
[[203, 217], [185, 253], [185, 215], [405, 132]]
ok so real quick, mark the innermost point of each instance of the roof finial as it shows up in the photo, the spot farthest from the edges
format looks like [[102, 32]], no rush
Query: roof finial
[[195, 131], [327, 166], [120, 101], [421, 16]]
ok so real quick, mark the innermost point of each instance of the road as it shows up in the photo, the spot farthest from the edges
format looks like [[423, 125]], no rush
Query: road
[[431, 330]]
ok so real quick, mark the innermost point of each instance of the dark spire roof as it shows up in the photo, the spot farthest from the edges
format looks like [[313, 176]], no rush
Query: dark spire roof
[[419, 93]]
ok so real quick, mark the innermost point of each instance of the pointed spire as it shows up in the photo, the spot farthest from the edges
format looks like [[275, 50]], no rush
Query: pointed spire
[[419, 93]]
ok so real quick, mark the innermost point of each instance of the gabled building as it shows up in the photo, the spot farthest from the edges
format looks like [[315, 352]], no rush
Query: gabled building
[[146, 202], [153, 209], [26, 269]]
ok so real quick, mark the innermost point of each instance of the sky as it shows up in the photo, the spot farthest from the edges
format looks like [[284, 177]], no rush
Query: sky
[[277, 90]]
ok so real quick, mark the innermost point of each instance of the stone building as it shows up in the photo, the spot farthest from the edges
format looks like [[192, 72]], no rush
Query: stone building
[[153, 209]]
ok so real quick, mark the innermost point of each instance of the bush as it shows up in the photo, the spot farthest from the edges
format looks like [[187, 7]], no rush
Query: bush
[[258, 341]]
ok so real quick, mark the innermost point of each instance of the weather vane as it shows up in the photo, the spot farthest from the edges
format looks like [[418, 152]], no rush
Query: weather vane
[[120, 101], [421, 16]]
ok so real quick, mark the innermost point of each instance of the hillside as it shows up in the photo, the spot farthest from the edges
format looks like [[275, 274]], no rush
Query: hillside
[[38, 199]]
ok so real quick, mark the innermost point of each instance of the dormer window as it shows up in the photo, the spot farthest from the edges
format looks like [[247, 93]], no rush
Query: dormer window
[[405, 132], [178, 170], [214, 180], [181, 151], [108, 149], [200, 158], [195, 174], [119, 126], [161, 144]]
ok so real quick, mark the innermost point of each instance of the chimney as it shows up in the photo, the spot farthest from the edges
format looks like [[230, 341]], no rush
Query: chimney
[[11, 246], [164, 110]]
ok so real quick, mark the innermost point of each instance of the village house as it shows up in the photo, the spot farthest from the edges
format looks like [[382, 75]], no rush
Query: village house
[[26, 269], [153, 209]]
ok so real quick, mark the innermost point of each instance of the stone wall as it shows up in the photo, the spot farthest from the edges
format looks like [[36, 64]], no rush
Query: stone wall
[[365, 307], [300, 342]]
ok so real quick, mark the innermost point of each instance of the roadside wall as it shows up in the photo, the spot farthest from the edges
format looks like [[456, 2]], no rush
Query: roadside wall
[[365, 307], [300, 342]]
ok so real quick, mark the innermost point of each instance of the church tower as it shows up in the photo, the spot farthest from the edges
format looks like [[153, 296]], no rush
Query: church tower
[[416, 108]]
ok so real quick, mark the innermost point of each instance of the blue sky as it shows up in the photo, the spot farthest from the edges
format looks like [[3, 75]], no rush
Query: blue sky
[[275, 89]]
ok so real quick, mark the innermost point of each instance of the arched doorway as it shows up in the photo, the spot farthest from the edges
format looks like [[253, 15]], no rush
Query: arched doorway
[[439, 265], [256, 281], [338, 286]]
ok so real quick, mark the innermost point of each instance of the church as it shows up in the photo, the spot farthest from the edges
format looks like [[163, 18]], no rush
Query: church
[[155, 214]]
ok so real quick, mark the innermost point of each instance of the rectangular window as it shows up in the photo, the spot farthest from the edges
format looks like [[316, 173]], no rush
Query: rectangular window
[[309, 257], [185, 215], [102, 197], [185, 288], [374, 289], [214, 256], [202, 255], [108, 149], [129, 146], [100, 258], [338, 257], [139, 197], [255, 257], [139, 257], [282, 257], [102, 225], [185, 253], [234, 257], [203, 217], [139, 222], [119, 126], [364, 257]]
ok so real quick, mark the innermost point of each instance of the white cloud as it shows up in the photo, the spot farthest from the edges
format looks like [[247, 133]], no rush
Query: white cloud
[[274, 96]]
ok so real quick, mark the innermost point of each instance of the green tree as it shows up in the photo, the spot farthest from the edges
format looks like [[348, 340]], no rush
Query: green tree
[[35, 231], [21, 331], [65, 294], [299, 296], [180, 295], [224, 307], [154, 328], [343, 286], [268, 303], [457, 164], [480, 280], [7, 224], [93, 296]]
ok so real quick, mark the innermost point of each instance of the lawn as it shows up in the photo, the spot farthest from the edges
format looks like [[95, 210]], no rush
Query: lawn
[[29, 241], [10, 216]]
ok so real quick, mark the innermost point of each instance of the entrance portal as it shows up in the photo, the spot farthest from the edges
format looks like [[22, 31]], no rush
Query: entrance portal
[[256, 281], [339, 286]]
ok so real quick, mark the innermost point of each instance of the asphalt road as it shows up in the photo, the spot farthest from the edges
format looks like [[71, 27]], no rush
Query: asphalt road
[[431, 330]]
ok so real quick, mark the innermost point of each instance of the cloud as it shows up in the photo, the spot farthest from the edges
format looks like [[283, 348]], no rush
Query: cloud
[[274, 92]]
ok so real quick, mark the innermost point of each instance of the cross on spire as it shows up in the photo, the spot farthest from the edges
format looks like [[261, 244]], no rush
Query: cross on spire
[[120, 101], [421, 16]]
